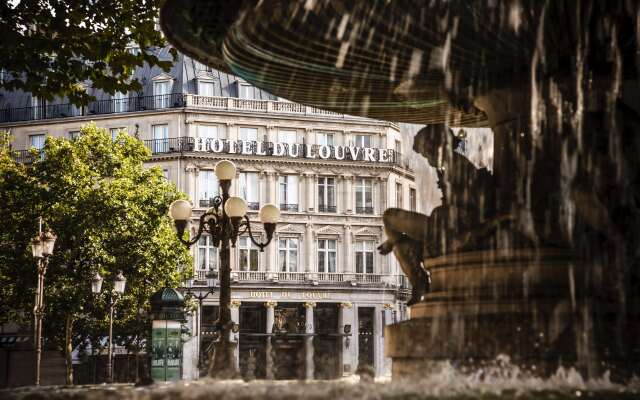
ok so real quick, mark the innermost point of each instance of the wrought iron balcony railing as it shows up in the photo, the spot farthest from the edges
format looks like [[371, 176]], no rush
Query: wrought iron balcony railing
[[326, 208], [112, 106], [288, 207], [165, 101], [364, 210]]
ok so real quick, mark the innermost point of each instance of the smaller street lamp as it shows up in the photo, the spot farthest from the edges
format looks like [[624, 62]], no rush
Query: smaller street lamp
[[41, 248], [119, 283]]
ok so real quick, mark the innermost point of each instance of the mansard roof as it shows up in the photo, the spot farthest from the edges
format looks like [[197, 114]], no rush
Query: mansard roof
[[184, 71]]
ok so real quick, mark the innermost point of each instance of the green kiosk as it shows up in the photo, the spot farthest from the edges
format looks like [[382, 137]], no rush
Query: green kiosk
[[167, 308]]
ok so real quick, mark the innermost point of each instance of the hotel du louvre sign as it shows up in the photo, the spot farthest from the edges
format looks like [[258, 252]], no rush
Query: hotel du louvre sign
[[296, 150]]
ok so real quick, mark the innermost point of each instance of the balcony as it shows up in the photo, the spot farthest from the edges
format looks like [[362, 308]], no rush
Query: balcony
[[327, 278], [169, 101], [288, 207], [326, 209], [364, 210]]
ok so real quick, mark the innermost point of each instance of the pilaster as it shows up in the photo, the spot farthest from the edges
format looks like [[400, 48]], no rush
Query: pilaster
[[308, 340]]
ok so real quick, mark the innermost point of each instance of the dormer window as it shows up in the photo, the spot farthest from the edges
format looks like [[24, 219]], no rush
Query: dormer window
[[162, 91], [245, 90], [205, 87], [120, 102]]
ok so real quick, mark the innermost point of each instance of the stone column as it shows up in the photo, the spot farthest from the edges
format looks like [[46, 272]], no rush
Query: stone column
[[191, 173], [272, 260], [311, 192], [349, 194], [308, 340], [348, 261], [378, 354], [382, 203], [270, 306], [264, 187], [309, 247], [388, 320], [345, 317], [235, 337], [272, 180]]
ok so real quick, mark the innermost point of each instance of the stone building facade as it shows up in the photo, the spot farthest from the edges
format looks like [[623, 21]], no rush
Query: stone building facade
[[318, 297]]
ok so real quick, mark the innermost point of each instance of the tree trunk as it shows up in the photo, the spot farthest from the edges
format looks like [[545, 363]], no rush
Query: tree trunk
[[68, 327]]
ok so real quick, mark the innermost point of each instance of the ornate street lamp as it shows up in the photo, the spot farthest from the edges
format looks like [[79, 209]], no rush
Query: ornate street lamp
[[41, 247], [119, 283], [225, 221]]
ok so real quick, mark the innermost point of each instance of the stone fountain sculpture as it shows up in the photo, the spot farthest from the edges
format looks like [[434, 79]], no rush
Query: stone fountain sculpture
[[538, 260]]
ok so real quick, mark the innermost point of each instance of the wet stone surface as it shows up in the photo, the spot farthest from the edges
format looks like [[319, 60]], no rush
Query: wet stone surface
[[449, 383]]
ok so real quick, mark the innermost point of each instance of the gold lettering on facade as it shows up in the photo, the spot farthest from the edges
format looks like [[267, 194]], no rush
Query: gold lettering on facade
[[259, 294]]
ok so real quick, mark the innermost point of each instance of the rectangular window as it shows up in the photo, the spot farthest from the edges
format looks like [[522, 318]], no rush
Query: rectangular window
[[37, 141], [205, 88], [73, 135], [324, 139], [364, 257], [160, 143], [248, 134], [207, 255], [165, 173], [364, 196], [245, 91], [412, 199], [326, 195], [120, 102], [114, 132], [206, 135], [249, 189], [39, 107], [398, 153], [288, 255], [363, 140], [399, 199], [248, 255], [161, 93], [208, 187], [288, 137], [288, 192], [327, 255]]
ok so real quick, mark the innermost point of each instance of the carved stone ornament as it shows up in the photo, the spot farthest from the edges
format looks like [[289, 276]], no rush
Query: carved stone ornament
[[235, 303]]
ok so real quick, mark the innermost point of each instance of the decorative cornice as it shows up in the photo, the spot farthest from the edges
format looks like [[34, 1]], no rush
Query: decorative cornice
[[345, 305]]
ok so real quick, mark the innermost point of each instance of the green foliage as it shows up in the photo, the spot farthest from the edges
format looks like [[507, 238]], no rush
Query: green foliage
[[110, 214], [50, 46]]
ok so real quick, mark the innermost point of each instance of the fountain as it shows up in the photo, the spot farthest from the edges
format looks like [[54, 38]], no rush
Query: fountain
[[538, 260]]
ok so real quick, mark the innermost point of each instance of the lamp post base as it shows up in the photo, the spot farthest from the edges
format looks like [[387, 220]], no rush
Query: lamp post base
[[223, 363]]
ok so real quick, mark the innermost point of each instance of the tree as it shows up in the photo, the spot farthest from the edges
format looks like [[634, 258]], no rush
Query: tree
[[109, 213], [49, 47]]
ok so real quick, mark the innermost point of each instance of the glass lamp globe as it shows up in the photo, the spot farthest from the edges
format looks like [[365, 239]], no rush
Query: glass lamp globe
[[119, 282], [96, 283], [180, 210], [36, 247], [48, 243], [225, 170], [235, 207], [269, 214]]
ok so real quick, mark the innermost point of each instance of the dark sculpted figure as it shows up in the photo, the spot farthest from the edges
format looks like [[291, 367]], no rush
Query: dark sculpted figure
[[467, 201]]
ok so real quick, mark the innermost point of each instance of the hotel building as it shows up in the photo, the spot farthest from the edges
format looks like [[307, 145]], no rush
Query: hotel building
[[318, 297]]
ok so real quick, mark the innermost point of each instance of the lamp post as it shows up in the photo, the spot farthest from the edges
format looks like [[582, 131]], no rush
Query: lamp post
[[224, 221], [119, 283], [42, 248], [200, 297]]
